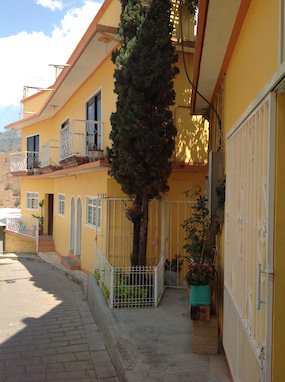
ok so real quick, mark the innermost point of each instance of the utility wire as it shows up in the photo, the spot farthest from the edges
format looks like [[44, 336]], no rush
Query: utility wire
[[193, 86]]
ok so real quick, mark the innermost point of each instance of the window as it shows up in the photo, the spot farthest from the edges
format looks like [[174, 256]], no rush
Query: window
[[93, 130], [32, 200], [65, 123], [93, 211], [61, 204], [33, 145]]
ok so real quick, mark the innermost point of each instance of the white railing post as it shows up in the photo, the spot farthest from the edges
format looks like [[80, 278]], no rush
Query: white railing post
[[156, 281], [111, 302], [37, 234]]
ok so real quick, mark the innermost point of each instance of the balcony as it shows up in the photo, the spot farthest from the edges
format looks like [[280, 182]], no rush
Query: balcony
[[80, 142], [24, 162], [50, 156]]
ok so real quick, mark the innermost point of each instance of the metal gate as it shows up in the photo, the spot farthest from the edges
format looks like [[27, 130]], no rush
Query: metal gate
[[248, 245]]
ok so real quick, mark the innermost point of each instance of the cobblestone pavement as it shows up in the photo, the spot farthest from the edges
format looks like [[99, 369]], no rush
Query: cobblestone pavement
[[47, 330]]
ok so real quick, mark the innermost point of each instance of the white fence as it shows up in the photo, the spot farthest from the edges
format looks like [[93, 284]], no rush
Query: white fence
[[130, 287], [78, 137], [23, 161], [24, 225], [127, 286], [50, 153]]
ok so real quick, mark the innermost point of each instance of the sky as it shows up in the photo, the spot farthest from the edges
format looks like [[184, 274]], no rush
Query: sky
[[33, 35]]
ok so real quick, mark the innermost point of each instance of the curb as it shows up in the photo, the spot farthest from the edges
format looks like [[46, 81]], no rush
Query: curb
[[109, 329]]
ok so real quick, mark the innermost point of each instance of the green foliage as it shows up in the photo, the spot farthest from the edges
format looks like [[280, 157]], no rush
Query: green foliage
[[105, 291], [97, 275], [126, 291], [175, 264], [200, 274], [199, 231], [191, 4], [143, 132]]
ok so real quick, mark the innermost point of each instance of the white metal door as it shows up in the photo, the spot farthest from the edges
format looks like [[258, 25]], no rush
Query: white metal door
[[248, 245]]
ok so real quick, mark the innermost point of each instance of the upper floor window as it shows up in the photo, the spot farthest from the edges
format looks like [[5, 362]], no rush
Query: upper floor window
[[65, 123], [33, 148], [93, 129], [61, 204], [93, 211], [32, 200]]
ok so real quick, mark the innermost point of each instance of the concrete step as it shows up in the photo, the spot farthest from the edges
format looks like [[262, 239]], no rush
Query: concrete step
[[70, 263], [46, 244]]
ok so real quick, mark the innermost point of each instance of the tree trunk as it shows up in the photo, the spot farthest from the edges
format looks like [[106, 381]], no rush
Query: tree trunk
[[136, 220], [136, 241], [143, 231]]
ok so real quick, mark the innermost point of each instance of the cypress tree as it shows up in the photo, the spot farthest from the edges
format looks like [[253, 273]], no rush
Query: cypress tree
[[143, 132]]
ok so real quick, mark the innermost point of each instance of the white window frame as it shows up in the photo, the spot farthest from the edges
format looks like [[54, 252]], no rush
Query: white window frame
[[94, 217], [30, 197], [61, 204]]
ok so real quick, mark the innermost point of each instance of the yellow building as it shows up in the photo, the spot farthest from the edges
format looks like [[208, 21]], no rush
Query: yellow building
[[64, 176], [239, 67]]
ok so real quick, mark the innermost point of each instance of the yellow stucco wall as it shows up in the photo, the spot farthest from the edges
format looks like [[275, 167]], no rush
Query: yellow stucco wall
[[191, 147], [253, 63], [19, 244], [34, 103], [254, 60], [278, 366], [112, 15]]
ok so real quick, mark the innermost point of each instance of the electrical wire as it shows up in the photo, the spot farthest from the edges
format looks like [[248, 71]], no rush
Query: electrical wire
[[193, 86]]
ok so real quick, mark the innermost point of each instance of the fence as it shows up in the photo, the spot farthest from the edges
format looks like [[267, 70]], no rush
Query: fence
[[130, 287], [25, 225], [127, 286]]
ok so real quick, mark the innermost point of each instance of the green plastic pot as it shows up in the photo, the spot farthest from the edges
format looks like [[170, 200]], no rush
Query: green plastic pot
[[200, 295]]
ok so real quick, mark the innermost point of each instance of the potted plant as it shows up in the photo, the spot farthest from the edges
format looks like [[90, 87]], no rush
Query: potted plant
[[36, 167], [200, 238], [172, 270], [40, 218], [198, 278]]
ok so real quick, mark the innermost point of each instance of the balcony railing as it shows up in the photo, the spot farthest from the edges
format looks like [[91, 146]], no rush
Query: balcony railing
[[24, 161], [79, 137], [50, 153], [24, 225]]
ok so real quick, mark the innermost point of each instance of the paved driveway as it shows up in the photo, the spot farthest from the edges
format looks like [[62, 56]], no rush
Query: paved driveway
[[47, 332]]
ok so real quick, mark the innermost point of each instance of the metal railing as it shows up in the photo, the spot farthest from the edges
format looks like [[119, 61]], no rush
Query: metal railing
[[130, 287], [24, 225], [50, 153], [24, 161], [80, 136]]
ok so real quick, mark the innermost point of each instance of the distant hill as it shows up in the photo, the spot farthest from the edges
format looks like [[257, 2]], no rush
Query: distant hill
[[9, 186], [10, 141]]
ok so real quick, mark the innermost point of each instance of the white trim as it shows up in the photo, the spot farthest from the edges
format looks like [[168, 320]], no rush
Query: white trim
[[99, 90], [270, 239], [31, 209], [96, 226], [58, 195], [271, 85], [64, 120]]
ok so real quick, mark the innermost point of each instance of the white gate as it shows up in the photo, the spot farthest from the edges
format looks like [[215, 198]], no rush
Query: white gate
[[248, 245]]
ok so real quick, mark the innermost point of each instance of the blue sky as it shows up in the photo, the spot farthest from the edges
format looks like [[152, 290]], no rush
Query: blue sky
[[34, 34]]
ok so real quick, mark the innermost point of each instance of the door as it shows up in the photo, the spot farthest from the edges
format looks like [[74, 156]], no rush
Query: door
[[248, 247], [33, 146], [78, 227], [72, 226], [93, 130], [50, 214]]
